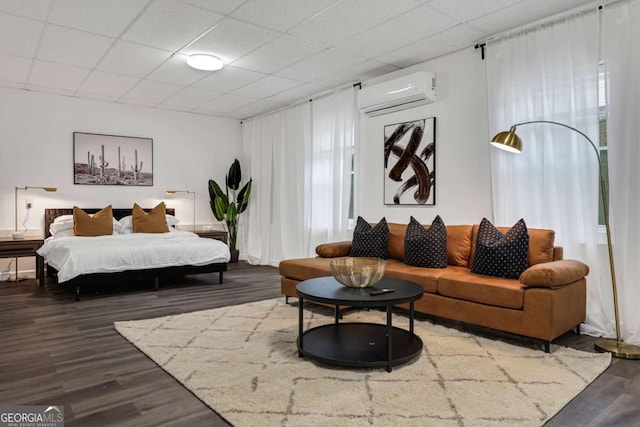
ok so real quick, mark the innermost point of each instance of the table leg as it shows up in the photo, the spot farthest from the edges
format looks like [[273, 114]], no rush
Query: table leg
[[337, 314], [411, 313], [300, 321], [40, 270], [389, 339]]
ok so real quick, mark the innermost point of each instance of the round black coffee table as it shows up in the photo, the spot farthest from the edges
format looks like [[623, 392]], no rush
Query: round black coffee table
[[359, 344]]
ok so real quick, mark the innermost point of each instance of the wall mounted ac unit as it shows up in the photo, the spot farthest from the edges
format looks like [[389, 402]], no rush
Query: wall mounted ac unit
[[398, 94]]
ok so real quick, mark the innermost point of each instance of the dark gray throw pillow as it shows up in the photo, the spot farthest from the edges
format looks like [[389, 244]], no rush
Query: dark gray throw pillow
[[372, 242], [426, 247], [501, 255]]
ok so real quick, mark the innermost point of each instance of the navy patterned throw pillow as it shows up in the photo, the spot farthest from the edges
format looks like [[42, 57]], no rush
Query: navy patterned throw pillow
[[370, 241], [501, 255], [426, 247]]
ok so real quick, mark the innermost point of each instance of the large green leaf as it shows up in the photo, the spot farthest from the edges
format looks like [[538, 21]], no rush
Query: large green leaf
[[232, 213], [235, 175], [221, 207], [214, 190], [243, 196], [215, 211]]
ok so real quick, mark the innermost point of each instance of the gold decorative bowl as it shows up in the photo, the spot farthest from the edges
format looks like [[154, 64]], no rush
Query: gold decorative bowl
[[355, 272]]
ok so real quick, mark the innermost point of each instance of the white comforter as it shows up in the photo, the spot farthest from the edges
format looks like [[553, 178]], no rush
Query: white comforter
[[73, 256]]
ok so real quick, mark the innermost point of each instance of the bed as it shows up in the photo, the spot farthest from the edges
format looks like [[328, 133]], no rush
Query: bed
[[78, 261]]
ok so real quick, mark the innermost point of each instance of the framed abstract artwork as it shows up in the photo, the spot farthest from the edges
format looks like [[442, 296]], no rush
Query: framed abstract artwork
[[112, 160], [410, 163]]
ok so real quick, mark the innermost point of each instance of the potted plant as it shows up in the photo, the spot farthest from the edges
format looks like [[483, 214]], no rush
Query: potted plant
[[227, 210]]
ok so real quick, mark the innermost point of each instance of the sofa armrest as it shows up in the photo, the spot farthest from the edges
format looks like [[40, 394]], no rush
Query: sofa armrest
[[554, 274], [333, 250]]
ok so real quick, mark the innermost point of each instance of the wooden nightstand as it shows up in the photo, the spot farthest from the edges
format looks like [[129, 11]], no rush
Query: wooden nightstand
[[27, 247], [213, 234]]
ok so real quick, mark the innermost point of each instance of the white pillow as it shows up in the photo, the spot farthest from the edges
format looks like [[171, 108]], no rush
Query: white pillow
[[63, 233], [63, 218], [57, 227], [126, 222]]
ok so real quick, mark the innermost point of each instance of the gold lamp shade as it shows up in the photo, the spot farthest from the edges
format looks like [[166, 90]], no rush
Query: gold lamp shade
[[508, 141]]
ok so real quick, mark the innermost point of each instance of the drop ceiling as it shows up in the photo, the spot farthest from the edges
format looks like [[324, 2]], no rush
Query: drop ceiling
[[276, 52]]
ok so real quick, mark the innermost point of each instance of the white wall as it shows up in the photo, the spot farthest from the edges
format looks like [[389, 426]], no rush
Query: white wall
[[463, 185], [36, 146]]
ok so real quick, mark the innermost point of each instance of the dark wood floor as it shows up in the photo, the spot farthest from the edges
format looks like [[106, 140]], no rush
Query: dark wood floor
[[55, 351]]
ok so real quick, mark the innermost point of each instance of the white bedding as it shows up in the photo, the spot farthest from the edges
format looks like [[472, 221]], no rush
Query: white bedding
[[74, 256]]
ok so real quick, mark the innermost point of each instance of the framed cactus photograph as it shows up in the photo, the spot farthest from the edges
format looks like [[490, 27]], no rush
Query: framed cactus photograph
[[112, 160]]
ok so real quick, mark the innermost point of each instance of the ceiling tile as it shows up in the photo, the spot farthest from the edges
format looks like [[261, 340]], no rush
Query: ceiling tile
[[254, 109], [72, 47], [57, 76], [220, 6], [281, 15], [225, 103], [14, 85], [50, 89], [319, 64], [132, 59], [189, 98], [150, 93], [522, 13], [297, 93], [19, 36], [176, 70], [14, 68], [355, 74], [278, 54], [27, 8], [228, 79], [169, 24], [347, 18], [231, 39], [109, 18], [266, 87], [108, 84], [418, 52], [466, 10], [398, 32]]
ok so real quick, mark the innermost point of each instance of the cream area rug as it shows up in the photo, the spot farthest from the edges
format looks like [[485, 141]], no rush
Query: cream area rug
[[242, 361]]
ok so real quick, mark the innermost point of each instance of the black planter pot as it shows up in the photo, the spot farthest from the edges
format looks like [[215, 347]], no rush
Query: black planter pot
[[234, 256]]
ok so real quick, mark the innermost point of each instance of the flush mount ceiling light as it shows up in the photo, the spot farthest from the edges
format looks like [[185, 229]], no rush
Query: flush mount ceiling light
[[206, 62]]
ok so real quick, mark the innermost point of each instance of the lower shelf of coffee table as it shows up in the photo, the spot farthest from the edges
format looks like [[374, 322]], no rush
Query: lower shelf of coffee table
[[359, 345]]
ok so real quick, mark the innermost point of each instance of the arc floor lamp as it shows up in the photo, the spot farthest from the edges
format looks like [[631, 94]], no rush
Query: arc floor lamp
[[511, 142]]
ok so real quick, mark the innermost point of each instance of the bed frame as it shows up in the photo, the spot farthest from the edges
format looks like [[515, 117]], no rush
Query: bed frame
[[146, 274]]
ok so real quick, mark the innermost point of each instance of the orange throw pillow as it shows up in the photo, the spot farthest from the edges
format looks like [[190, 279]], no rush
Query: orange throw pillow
[[152, 222], [100, 224]]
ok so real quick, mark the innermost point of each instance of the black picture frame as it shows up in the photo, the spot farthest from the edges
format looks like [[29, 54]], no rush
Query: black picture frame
[[100, 159], [410, 163]]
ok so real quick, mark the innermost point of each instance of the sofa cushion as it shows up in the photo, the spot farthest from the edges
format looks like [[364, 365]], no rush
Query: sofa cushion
[[458, 282], [305, 268], [333, 250], [458, 245], [396, 240], [554, 274], [541, 247], [426, 247], [370, 241], [501, 255]]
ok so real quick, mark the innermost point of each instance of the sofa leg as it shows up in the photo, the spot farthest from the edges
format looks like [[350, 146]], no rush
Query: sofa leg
[[156, 283], [578, 329], [547, 346]]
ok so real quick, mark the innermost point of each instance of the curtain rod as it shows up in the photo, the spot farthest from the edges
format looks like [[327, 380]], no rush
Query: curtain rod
[[310, 99], [594, 6]]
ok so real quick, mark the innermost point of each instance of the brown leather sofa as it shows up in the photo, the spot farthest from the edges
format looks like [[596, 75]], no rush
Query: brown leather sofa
[[548, 299]]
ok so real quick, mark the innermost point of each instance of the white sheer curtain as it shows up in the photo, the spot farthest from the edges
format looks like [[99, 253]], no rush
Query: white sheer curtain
[[621, 54], [551, 73], [300, 161]]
